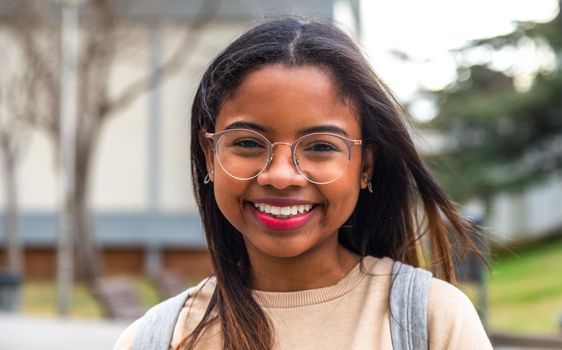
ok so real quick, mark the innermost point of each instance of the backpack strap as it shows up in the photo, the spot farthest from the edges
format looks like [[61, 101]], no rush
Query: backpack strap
[[408, 307], [156, 327]]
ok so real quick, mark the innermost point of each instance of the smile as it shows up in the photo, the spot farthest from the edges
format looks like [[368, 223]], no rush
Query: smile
[[283, 212], [282, 218]]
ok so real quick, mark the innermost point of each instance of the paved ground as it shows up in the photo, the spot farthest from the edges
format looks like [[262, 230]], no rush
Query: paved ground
[[23, 332], [18, 332]]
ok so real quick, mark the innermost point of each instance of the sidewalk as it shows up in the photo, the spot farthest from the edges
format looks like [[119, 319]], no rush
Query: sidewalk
[[19, 332]]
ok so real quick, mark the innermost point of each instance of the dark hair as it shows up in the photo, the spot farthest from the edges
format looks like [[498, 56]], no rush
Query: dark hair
[[383, 224]]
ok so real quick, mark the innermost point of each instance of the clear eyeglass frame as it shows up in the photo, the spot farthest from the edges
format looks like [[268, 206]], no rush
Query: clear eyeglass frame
[[215, 137]]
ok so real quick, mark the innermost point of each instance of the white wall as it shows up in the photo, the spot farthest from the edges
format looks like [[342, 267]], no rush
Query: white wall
[[532, 213], [120, 180], [120, 171]]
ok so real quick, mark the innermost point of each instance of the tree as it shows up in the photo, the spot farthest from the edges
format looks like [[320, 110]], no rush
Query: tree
[[19, 106], [501, 138], [33, 23], [16, 113]]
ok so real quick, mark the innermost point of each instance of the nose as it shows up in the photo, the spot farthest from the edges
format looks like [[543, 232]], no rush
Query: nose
[[281, 172]]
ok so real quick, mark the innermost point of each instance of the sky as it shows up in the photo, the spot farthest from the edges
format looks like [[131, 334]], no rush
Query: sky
[[427, 30]]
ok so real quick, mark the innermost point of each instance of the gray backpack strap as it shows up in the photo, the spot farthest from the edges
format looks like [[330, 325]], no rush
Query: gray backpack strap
[[408, 307], [157, 325]]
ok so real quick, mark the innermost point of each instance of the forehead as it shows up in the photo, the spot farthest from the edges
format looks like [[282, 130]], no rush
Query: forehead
[[286, 100]]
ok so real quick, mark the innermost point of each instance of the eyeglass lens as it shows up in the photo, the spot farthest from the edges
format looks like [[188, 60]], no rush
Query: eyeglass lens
[[320, 158]]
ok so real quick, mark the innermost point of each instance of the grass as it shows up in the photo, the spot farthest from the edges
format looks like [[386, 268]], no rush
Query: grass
[[39, 298], [524, 290]]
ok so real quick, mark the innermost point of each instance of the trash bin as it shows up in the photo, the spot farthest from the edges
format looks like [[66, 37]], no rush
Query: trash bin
[[10, 284], [472, 270]]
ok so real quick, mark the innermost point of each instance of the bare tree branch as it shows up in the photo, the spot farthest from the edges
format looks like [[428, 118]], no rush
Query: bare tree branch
[[191, 39], [41, 64], [35, 26], [95, 63]]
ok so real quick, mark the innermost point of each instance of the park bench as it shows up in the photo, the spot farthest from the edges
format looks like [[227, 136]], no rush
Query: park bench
[[169, 284], [118, 298]]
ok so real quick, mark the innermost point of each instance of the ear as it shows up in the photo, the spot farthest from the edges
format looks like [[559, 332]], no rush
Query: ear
[[206, 145], [368, 158]]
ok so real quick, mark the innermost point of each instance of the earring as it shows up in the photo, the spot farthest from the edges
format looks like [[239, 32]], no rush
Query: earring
[[209, 177], [369, 184]]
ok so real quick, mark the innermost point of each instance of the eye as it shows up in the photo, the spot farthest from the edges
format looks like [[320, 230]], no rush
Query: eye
[[321, 146], [247, 143]]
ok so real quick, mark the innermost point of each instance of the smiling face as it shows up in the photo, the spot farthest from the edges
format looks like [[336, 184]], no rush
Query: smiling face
[[280, 213]]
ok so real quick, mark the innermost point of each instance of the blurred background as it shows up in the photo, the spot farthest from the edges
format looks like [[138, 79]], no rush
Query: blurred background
[[97, 217]]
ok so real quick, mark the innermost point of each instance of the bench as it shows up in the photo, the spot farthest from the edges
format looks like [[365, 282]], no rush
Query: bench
[[169, 284], [118, 298]]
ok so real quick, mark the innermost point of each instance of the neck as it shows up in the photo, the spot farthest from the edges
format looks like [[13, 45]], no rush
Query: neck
[[307, 271]]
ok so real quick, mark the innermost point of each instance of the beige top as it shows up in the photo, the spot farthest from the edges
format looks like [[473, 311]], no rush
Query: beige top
[[352, 314]]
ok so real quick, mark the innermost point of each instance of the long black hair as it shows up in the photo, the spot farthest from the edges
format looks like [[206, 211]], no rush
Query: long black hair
[[385, 223]]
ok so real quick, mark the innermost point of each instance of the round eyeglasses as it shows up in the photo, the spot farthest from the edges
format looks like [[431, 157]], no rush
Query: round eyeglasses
[[320, 157]]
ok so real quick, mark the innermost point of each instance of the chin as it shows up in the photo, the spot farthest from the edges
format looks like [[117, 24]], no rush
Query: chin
[[280, 250], [286, 254]]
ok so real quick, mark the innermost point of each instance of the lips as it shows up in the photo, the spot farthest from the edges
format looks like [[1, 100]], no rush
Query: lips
[[282, 214], [283, 211]]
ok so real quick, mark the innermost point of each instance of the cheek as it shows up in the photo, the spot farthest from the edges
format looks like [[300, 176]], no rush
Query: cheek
[[353, 174], [224, 192], [343, 193], [228, 194]]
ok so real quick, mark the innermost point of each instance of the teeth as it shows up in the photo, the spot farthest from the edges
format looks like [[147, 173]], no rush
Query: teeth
[[283, 211]]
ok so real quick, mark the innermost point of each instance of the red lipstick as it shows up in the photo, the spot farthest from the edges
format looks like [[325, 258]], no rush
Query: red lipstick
[[282, 224]]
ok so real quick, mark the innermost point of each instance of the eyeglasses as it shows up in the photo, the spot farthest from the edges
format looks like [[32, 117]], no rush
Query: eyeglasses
[[320, 157]]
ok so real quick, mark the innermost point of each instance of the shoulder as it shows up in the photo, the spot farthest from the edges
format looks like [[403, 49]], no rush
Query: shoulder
[[195, 295], [127, 338], [377, 267], [448, 303], [452, 319]]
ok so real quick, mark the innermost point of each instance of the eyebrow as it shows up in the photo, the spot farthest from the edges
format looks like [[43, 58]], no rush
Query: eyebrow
[[333, 129], [245, 125]]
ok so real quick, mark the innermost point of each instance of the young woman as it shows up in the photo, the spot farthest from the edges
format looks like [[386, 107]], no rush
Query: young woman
[[311, 193]]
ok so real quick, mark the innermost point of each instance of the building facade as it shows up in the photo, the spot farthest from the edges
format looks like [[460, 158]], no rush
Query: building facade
[[144, 215]]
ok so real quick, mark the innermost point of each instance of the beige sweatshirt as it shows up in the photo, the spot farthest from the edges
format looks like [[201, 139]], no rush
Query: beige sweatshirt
[[352, 314]]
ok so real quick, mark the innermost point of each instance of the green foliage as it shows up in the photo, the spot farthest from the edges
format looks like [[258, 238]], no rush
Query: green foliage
[[500, 139]]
